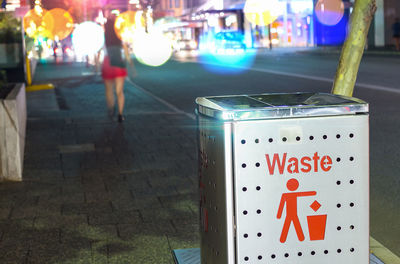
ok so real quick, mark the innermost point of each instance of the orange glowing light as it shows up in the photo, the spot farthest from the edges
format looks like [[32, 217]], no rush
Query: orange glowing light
[[58, 23], [127, 24], [261, 12], [329, 12], [33, 22]]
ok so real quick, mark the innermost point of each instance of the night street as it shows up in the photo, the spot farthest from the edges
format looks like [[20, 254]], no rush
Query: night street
[[96, 191], [199, 131], [180, 81]]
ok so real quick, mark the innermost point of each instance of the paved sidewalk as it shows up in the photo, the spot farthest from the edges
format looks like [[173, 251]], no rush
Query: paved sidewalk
[[95, 191]]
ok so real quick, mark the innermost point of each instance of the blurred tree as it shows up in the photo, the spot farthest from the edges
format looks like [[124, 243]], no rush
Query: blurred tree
[[353, 48], [10, 28]]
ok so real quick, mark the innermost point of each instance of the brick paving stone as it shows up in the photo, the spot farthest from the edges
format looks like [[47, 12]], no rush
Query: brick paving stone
[[186, 188], [141, 249], [11, 254], [179, 200], [169, 181], [166, 214], [118, 187], [95, 196], [19, 212], [165, 191], [135, 204], [57, 252], [129, 198], [69, 208], [4, 212], [43, 175], [161, 227], [61, 221], [149, 202], [99, 253], [187, 235], [123, 194], [94, 233], [116, 217], [17, 231]]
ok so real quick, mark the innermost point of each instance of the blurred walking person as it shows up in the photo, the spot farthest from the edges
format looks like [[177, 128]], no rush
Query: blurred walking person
[[114, 69], [396, 33]]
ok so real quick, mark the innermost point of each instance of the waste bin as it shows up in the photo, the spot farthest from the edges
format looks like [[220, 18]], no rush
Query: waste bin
[[284, 178]]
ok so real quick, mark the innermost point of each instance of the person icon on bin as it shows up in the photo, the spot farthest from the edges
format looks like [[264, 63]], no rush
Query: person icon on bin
[[290, 200]]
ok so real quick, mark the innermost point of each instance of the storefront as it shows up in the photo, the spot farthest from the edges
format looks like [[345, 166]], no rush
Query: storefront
[[280, 23], [296, 23], [293, 26]]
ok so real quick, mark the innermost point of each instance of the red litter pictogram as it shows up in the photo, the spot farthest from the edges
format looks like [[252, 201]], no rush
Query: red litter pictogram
[[290, 200], [316, 223], [315, 206]]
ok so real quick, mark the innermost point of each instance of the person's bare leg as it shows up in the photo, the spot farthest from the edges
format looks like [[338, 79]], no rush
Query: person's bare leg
[[109, 95], [119, 89]]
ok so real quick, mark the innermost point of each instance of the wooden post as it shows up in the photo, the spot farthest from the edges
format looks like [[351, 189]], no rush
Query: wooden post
[[353, 48]]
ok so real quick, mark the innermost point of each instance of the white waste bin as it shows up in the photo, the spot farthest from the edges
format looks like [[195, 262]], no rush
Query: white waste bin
[[284, 178]]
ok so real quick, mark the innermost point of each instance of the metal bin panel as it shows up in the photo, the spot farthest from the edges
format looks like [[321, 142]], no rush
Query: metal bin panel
[[216, 191], [340, 183]]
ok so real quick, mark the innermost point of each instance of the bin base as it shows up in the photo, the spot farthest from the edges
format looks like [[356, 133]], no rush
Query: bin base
[[192, 256], [187, 256]]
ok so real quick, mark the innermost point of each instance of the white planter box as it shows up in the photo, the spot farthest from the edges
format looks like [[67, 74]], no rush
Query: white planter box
[[12, 133]]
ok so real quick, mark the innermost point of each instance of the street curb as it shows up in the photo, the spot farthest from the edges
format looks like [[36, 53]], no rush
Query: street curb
[[382, 253], [39, 87]]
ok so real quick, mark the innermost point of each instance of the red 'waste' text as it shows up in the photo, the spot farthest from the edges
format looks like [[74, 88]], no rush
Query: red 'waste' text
[[295, 165]]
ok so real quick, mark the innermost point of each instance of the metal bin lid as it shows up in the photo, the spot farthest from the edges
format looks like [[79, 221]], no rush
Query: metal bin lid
[[279, 105]]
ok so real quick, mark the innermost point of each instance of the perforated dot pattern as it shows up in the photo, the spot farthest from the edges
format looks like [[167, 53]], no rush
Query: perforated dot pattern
[[328, 156]]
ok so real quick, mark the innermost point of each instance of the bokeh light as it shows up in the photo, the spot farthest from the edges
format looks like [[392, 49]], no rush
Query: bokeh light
[[222, 59], [329, 12], [262, 12], [227, 63], [33, 22], [87, 38], [58, 23], [152, 49], [127, 24]]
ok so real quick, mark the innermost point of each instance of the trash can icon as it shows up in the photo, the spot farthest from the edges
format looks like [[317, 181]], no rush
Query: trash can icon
[[316, 226], [283, 178]]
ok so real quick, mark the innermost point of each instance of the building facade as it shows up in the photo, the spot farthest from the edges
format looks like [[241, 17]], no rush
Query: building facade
[[298, 23], [167, 8]]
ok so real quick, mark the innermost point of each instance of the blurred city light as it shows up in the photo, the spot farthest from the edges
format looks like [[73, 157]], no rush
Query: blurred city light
[[262, 12], [58, 23], [33, 22], [228, 61], [168, 22], [116, 12], [87, 38], [152, 49], [329, 12], [218, 52], [100, 18], [127, 24], [299, 6]]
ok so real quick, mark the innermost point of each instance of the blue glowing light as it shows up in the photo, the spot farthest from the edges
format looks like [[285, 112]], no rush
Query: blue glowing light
[[225, 53]]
